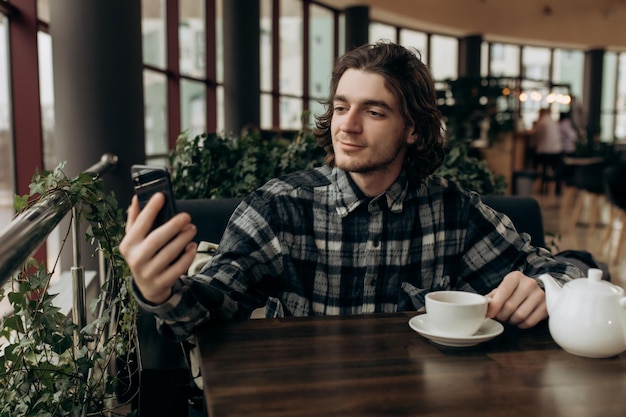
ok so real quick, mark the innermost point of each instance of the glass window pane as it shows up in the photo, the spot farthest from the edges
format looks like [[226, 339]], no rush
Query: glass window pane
[[568, 67], [219, 43], [7, 179], [321, 50], [607, 129], [620, 103], [265, 45], [536, 63], [444, 57], [609, 94], [192, 106], [533, 97], [220, 108], [504, 60], [290, 113], [484, 59], [315, 109], [342, 34], [290, 47], [191, 35], [153, 31], [381, 31], [43, 10], [155, 112], [620, 126], [46, 99], [417, 40], [266, 111]]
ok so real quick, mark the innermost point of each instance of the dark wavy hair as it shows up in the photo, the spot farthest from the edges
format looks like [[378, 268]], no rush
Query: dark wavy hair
[[411, 82]]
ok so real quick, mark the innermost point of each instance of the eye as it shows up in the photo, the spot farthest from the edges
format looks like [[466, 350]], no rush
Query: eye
[[375, 113], [339, 108]]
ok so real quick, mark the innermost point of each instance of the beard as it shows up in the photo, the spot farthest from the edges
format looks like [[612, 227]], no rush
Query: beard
[[379, 160]]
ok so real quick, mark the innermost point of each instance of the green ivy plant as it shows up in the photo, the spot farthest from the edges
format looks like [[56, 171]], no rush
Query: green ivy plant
[[211, 165], [470, 171], [48, 366]]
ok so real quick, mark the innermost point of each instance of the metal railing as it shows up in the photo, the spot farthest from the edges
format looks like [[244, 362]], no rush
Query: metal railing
[[27, 231]]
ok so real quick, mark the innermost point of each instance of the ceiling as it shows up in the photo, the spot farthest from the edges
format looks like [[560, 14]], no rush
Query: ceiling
[[580, 24]]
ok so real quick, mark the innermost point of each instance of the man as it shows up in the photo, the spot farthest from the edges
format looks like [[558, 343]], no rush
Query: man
[[372, 231]]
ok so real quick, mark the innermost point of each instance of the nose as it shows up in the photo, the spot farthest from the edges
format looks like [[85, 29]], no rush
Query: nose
[[350, 121]]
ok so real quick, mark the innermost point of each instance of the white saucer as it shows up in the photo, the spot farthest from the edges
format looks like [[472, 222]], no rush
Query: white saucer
[[488, 330]]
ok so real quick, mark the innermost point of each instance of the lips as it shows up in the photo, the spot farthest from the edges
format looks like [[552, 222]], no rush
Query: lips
[[349, 146]]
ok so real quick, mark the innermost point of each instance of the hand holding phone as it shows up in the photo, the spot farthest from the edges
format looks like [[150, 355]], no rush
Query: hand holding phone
[[148, 180]]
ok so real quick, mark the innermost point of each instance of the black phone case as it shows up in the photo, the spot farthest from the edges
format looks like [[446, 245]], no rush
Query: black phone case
[[148, 180]]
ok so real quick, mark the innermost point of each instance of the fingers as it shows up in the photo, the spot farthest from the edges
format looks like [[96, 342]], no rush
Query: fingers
[[154, 257], [518, 300]]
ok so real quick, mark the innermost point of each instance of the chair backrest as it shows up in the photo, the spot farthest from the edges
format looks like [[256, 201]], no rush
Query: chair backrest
[[523, 211], [615, 185], [209, 215]]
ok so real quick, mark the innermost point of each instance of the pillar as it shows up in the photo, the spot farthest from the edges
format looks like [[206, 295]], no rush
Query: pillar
[[592, 90], [470, 48], [98, 86], [242, 82], [357, 26], [98, 90]]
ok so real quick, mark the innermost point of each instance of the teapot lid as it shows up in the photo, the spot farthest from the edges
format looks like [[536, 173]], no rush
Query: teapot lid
[[594, 284]]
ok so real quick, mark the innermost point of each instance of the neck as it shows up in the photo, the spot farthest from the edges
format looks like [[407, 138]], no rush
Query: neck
[[375, 183]]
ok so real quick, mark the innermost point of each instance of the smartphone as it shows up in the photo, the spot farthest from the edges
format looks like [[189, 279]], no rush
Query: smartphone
[[148, 180]]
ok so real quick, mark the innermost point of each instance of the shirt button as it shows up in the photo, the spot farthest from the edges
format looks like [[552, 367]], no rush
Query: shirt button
[[376, 243]]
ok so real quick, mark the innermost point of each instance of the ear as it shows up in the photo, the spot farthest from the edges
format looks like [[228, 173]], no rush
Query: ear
[[411, 138]]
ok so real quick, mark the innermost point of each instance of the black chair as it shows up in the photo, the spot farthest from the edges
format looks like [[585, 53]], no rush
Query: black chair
[[615, 188], [209, 215], [523, 211], [589, 181]]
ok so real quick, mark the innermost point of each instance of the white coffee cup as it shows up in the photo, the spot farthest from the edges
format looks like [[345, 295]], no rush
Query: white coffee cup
[[456, 313]]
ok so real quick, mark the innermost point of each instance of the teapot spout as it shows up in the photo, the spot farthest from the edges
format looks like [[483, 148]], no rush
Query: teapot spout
[[553, 291]]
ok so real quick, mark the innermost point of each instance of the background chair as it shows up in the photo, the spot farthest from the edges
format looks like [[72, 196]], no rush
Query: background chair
[[589, 181], [615, 186]]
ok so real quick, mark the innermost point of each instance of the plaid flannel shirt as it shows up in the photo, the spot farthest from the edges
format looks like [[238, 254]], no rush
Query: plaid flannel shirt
[[311, 243]]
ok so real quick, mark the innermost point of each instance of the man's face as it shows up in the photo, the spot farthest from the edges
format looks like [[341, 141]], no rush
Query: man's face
[[368, 131]]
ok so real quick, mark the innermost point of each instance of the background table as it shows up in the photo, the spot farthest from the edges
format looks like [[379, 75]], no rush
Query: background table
[[375, 365]]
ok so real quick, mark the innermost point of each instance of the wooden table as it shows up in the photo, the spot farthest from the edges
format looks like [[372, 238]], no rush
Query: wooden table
[[375, 365]]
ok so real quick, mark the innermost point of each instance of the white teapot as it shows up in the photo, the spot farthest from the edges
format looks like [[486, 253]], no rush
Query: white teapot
[[587, 316]]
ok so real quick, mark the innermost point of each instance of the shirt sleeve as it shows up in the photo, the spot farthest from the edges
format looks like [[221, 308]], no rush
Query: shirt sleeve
[[494, 248], [232, 284]]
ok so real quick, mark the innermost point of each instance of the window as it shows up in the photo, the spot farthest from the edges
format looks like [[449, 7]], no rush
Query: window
[[504, 60], [381, 31], [417, 40], [620, 102], [536, 63], [155, 115], [321, 56], [444, 57], [290, 84], [609, 94], [568, 68], [6, 130], [46, 99], [191, 36]]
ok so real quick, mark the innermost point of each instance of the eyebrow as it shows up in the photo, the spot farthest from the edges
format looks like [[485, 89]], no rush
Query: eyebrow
[[371, 102]]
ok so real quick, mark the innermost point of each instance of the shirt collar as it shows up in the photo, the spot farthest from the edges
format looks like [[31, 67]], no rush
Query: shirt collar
[[350, 197]]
